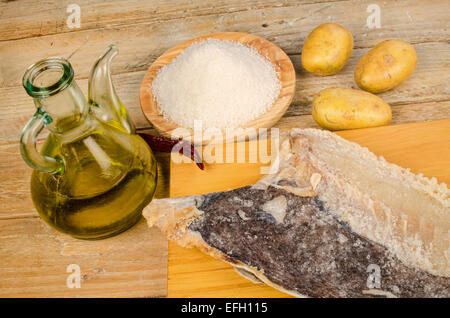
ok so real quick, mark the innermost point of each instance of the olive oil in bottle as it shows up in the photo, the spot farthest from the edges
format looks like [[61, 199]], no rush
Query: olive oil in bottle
[[93, 175], [103, 190]]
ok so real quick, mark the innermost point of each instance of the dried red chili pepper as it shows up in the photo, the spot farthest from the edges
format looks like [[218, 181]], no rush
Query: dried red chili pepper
[[163, 144]]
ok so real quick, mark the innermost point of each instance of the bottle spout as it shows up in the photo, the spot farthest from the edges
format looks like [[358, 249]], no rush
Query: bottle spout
[[103, 98]]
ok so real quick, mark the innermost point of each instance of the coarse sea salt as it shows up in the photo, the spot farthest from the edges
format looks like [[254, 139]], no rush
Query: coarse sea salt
[[221, 83]]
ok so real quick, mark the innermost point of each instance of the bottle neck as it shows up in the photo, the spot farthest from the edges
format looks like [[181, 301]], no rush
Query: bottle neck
[[56, 95], [66, 110]]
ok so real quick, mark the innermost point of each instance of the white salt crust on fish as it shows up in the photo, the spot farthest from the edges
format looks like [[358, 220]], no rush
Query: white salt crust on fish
[[313, 228]]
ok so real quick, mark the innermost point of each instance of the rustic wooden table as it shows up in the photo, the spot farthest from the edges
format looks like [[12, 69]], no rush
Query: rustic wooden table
[[34, 258]]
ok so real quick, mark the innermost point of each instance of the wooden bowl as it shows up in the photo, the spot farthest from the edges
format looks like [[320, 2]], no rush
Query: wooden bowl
[[281, 62]]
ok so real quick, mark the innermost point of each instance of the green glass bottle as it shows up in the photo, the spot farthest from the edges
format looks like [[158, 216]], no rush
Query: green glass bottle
[[93, 175]]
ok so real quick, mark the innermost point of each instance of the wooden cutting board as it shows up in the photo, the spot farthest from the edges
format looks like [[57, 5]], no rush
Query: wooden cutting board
[[422, 147]]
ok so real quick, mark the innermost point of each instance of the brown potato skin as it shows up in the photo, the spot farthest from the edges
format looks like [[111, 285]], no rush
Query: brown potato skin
[[385, 66], [327, 49], [338, 108]]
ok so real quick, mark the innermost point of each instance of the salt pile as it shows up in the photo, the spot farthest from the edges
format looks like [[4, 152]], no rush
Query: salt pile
[[222, 83]]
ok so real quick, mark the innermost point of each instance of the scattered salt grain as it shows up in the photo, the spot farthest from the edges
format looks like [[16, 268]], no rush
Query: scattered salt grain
[[223, 84], [277, 207]]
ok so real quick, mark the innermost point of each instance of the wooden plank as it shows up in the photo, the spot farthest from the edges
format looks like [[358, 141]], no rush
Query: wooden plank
[[216, 176], [206, 277], [34, 260], [287, 27], [422, 147], [419, 98], [401, 114], [426, 84], [19, 23], [14, 187], [15, 178], [34, 257]]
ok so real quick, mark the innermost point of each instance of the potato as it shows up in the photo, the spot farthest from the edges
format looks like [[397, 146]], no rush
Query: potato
[[337, 108], [327, 49], [385, 66]]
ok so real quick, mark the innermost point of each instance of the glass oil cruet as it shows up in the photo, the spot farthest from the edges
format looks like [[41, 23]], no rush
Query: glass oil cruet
[[93, 174]]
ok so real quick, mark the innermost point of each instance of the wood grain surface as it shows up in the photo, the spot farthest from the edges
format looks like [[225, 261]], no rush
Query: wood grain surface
[[422, 147], [280, 61], [31, 30], [34, 257]]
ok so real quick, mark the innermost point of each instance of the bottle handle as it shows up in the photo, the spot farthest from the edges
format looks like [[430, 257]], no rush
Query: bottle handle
[[28, 148]]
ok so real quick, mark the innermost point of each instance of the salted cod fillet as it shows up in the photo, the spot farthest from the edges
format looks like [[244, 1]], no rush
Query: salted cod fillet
[[333, 221]]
